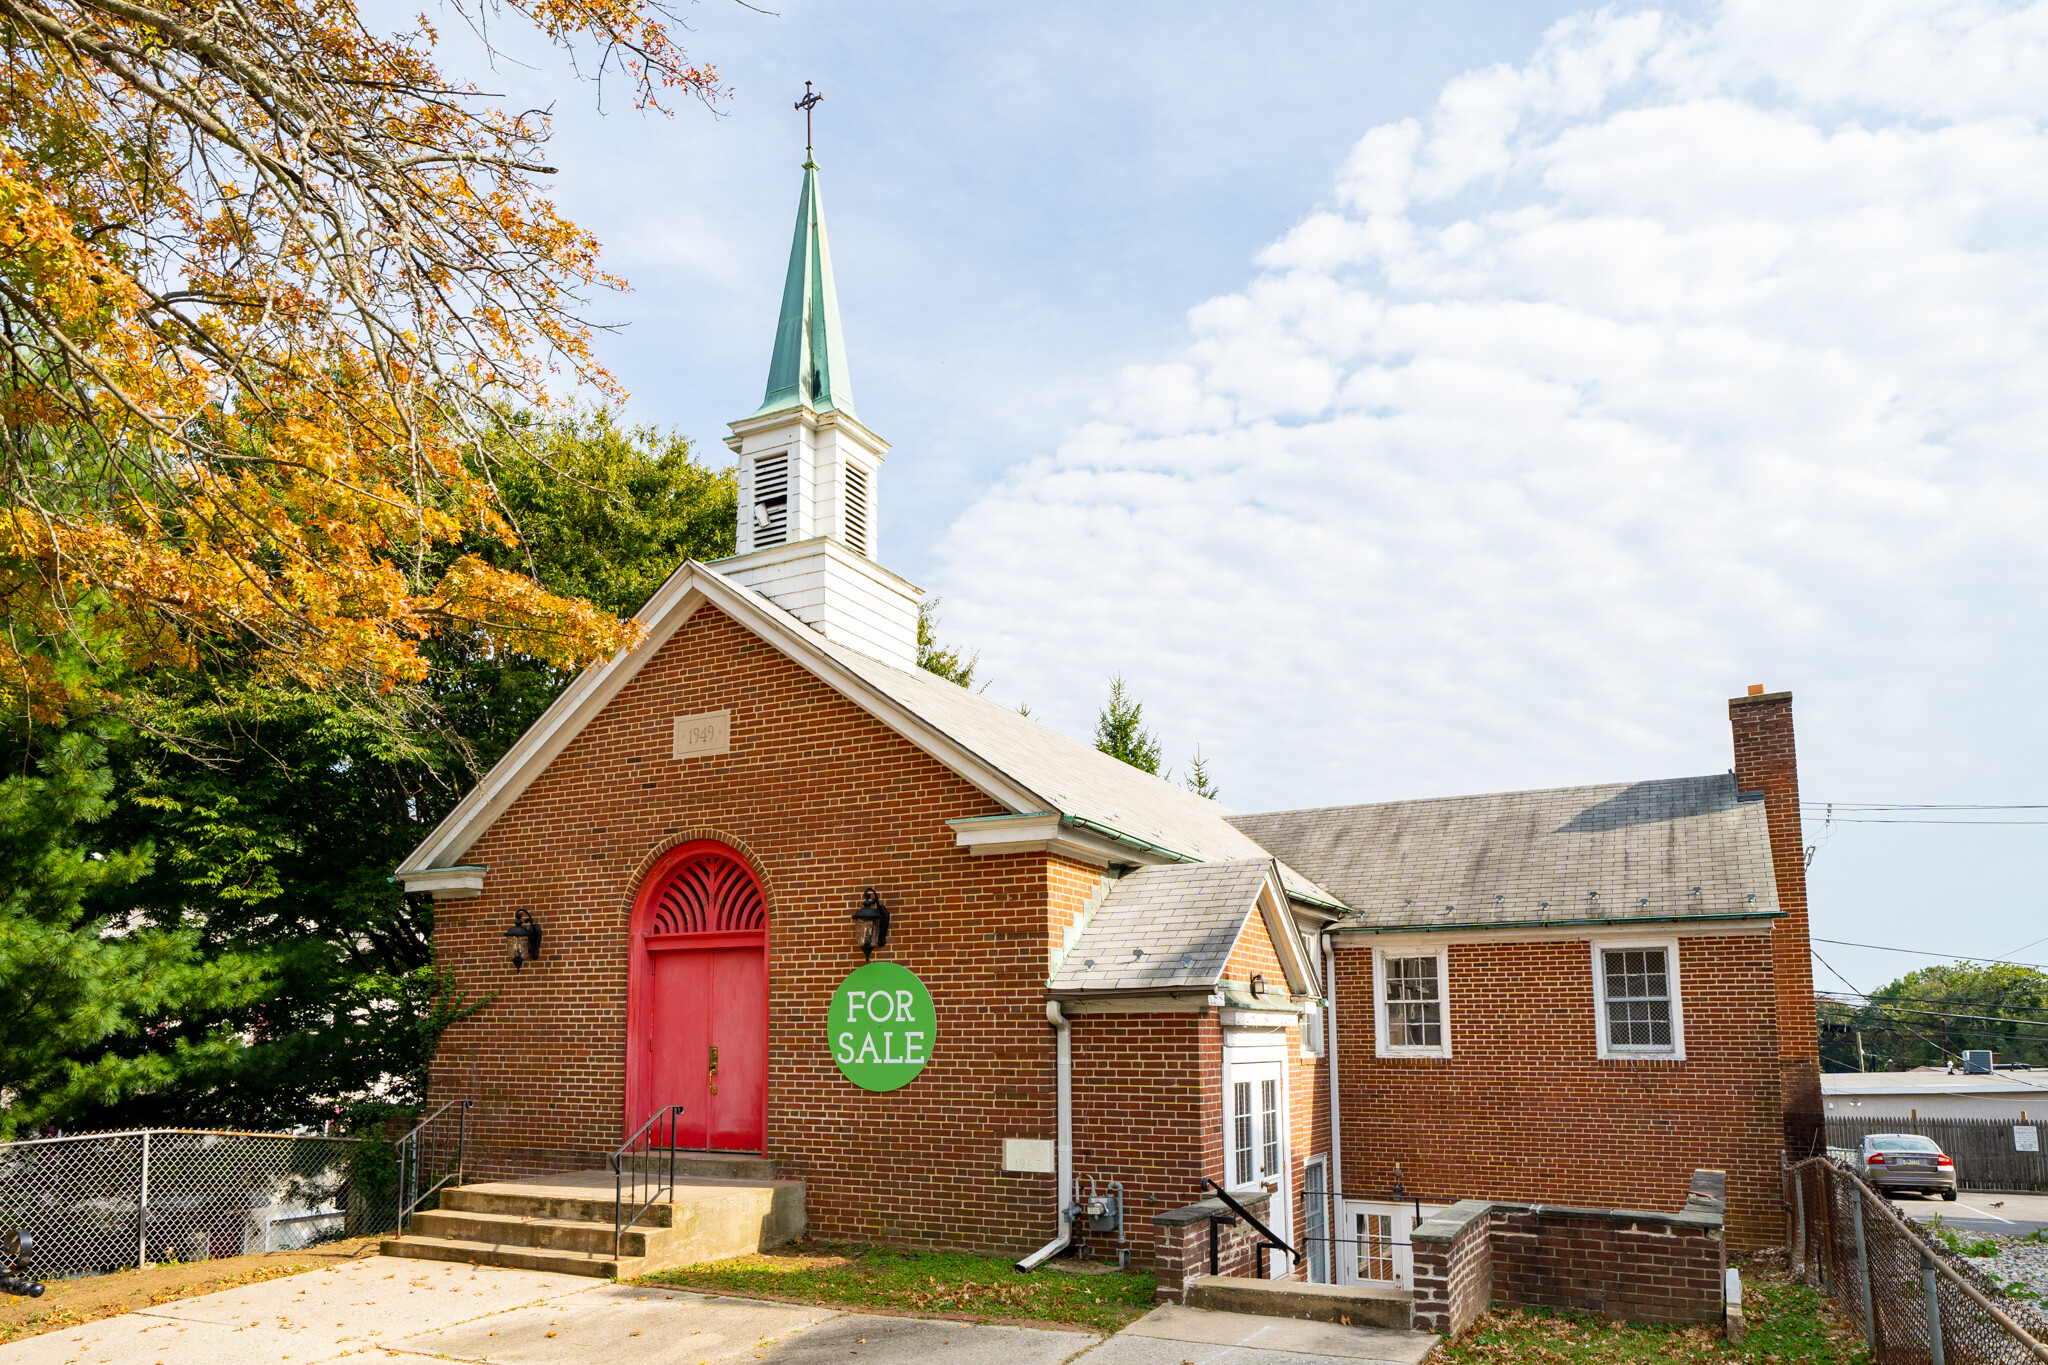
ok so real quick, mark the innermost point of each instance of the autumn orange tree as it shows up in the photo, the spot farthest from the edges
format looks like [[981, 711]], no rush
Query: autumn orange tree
[[267, 279]]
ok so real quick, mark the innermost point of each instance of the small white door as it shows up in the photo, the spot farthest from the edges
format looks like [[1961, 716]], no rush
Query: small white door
[[1373, 1243], [1255, 1147]]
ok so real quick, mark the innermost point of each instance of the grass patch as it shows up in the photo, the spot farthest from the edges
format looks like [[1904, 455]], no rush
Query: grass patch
[[923, 1283], [1789, 1324]]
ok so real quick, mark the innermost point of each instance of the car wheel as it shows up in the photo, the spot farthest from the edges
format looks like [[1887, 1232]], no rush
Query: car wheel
[[1948, 1194]]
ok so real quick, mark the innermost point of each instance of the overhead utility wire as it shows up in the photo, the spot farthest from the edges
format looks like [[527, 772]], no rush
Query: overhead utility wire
[[1894, 812], [1911, 805], [2013, 1024], [1919, 1000], [1937, 1045], [1924, 952]]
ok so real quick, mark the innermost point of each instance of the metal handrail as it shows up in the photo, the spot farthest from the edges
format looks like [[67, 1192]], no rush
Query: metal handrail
[[617, 1161], [1241, 1211], [409, 1160]]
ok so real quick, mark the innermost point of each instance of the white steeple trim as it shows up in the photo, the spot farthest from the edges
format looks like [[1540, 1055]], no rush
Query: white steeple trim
[[846, 597]]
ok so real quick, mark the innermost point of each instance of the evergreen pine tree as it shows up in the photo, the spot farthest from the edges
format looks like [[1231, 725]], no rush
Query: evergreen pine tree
[[1197, 780], [934, 657], [97, 1004], [1120, 730]]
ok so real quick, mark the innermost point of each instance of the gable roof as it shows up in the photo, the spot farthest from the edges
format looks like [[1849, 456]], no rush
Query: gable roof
[[1022, 765], [1687, 848], [1173, 927]]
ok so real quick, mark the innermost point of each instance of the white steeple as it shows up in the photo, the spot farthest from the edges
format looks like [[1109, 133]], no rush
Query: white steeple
[[809, 471]]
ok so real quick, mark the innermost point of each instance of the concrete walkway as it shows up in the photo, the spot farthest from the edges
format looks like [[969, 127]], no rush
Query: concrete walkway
[[385, 1309]]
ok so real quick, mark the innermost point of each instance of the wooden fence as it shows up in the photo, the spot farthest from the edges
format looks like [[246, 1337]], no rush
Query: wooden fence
[[1986, 1154]]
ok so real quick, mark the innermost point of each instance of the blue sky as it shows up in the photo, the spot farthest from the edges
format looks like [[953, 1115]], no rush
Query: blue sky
[[1425, 399]]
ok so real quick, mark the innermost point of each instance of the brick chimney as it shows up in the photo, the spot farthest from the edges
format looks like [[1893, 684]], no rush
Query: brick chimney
[[1767, 762]]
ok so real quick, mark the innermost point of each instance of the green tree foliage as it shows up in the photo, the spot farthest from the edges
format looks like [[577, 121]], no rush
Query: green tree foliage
[[946, 661], [1120, 730], [96, 1006], [1198, 780], [1931, 1016], [277, 814]]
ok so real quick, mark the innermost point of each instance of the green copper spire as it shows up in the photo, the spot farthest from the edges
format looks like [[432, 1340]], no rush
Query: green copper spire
[[808, 368]]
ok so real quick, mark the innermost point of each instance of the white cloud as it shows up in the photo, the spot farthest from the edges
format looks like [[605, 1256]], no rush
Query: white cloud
[[1683, 356]]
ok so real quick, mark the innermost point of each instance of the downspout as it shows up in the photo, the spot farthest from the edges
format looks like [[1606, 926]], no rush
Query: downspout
[[1063, 1032], [1336, 1180]]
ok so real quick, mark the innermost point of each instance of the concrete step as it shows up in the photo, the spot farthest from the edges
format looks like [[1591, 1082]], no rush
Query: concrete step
[[564, 1222], [606, 1266], [516, 1199], [717, 1165], [550, 1234], [1347, 1305]]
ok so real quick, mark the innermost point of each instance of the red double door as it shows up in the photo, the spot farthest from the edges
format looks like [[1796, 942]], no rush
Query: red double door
[[697, 1016]]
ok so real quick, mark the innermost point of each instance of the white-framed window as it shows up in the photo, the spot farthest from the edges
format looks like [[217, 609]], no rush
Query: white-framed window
[[1637, 1005], [1412, 995], [1312, 1031]]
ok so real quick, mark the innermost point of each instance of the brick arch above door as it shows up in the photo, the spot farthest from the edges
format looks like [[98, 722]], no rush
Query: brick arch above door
[[657, 853]]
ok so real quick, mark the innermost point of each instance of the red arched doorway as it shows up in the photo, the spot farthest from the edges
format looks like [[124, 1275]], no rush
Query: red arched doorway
[[697, 999]]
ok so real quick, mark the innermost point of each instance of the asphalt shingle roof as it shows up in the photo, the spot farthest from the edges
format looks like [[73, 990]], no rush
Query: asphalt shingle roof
[[1162, 927], [1075, 778], [1623, 851]]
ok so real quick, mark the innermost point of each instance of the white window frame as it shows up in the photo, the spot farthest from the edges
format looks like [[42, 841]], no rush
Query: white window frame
[[1312, 1030], [1380, 1032], [1607, 1052]]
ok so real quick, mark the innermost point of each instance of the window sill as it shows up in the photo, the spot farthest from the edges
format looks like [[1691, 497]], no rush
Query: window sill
[[1672, 1058]]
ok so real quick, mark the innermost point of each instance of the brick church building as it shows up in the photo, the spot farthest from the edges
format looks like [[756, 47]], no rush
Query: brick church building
[[1086, 974]]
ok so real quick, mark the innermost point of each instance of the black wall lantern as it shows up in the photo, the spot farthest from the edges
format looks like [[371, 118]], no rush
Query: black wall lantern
[[523, 939], [872, 920]]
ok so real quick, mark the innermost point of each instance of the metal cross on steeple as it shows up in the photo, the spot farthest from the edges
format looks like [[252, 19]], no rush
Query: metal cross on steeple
[[808, 103]]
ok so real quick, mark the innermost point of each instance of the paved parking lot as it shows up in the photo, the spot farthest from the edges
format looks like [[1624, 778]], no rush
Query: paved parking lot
[[413, 1312], [1981, 1211]]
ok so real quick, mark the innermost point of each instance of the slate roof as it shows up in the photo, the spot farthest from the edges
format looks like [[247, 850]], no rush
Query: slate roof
[[1074, 779], [1620, 852], [1162, 927]]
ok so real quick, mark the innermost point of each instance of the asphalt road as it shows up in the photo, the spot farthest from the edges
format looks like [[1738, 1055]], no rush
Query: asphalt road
[[1981, 1211]]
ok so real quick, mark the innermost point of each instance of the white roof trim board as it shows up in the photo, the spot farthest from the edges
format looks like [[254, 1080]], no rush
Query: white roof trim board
[[1018, 763]]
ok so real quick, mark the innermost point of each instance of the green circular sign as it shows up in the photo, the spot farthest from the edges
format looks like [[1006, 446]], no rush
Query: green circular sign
[[882, 1026]]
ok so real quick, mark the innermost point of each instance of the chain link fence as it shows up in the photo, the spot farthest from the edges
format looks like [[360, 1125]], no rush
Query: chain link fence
[[1913, 1302], [104, 1201]]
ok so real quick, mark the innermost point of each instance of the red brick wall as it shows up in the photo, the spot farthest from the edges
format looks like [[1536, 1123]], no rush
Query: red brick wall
[[1525, 1110], [1308, 1103], [1453, 1281], [1140, 1098], [825, 801], [1767, 760], [1636, 1271], [1181, 1246], [1254, 952]]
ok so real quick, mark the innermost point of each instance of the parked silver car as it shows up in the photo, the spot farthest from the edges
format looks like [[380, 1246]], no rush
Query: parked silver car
[[1895, 1162]]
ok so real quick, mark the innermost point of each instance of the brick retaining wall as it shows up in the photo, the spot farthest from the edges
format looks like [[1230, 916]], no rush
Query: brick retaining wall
[[1624, 1263], [1180, 1246]]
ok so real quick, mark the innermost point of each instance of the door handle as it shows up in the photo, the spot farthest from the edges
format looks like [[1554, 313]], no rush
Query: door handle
[[714, 1068]]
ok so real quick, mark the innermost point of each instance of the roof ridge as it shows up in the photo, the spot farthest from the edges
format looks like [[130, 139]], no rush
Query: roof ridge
[[1483, 796]]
